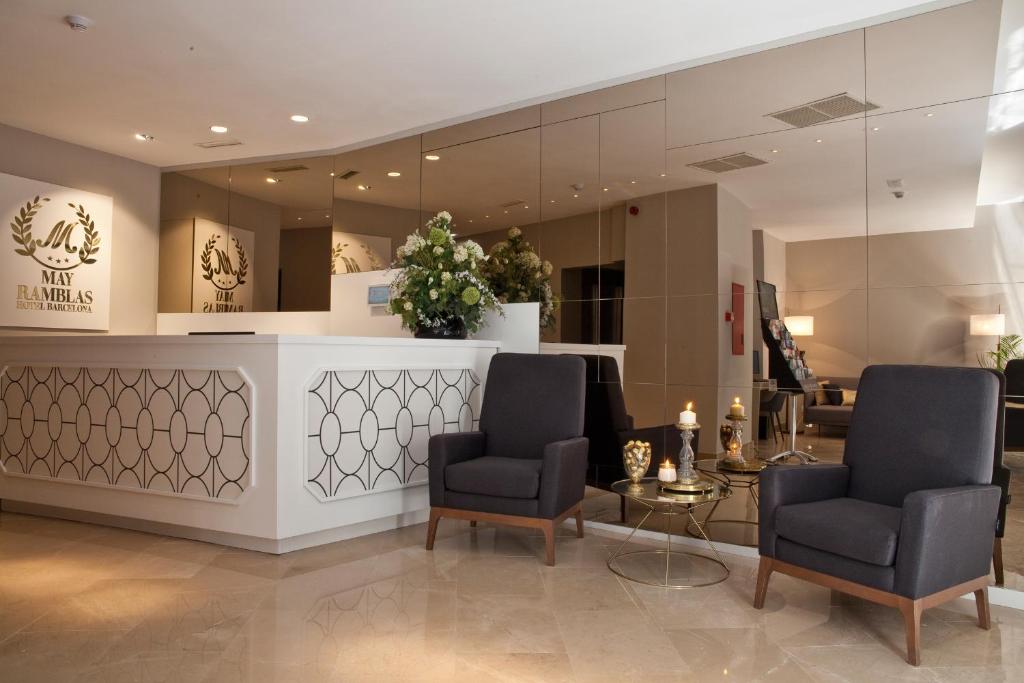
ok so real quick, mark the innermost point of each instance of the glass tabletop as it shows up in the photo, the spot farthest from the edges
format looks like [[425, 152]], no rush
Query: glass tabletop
[[650, 491], [754, 467]]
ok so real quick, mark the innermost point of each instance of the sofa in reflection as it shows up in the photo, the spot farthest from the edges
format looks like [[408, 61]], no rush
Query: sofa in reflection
[[831, 412], [908, 519], [609, 427]]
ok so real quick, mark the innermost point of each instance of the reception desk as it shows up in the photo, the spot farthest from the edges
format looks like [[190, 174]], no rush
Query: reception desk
[[267, 442]]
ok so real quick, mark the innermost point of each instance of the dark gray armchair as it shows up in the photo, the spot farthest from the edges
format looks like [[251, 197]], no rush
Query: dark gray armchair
[[908, 519], [527, 465]]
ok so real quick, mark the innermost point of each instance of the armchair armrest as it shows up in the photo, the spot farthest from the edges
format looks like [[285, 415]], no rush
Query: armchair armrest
[[448, 449], [791, 484], [945, 539], [562, 476]]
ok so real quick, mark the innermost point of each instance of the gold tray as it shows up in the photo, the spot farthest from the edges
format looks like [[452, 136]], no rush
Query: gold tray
[[746, 467], [700, 486]]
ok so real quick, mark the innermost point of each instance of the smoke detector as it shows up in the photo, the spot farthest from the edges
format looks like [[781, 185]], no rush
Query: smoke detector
[[79, 23]]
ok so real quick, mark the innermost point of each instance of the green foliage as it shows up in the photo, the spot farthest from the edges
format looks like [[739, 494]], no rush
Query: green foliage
[[440, 279], [1009, 347], [517, 275]]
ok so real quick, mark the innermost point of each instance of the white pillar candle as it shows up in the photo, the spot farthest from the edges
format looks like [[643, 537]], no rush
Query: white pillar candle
[[737, 409], [667, 472], [688, 416]]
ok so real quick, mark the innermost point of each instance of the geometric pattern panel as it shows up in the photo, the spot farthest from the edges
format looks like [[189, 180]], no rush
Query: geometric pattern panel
[[179, 432], [368, 429]]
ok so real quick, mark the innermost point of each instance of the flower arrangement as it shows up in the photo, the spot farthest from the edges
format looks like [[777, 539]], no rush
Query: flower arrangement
[[440, 291], [518, 275]]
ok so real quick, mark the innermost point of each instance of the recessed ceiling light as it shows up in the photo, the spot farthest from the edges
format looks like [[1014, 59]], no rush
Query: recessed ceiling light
[[662, 175], [327, 215], [819, 140], [362, 187], [332, 174], [775, 151], [605, 189], [273, 180], [299, 118], [393, 174], [431, 157], [470, 220], [552, 201], [525, 206], [219, 129], [930, 114], [486, 216], [875, 128], [300, 218], [506, 212], [632, 182], [143, 137]]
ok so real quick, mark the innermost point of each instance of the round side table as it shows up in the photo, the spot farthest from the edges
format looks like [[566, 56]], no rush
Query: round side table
[[748, 478], [669, 504]]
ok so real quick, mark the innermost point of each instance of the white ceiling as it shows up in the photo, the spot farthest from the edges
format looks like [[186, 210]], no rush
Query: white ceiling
[[360, 70]]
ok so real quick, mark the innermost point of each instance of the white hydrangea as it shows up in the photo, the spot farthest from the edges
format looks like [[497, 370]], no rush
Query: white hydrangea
[[433, 295], [444, 215], [475, 249], [461, 254], [412, 243], [446, 276], [548, 268], [514, 232], [408, 305], [438, 250]]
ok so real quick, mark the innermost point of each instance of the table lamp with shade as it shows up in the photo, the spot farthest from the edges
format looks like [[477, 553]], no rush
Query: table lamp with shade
[[800, 325], [988, 325]]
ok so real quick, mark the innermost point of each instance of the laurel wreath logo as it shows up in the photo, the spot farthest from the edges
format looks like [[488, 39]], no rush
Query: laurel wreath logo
[[21, 233], [206, 264]]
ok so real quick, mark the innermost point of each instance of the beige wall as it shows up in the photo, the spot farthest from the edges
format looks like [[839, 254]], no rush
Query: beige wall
[[306, 269], [363, 218], [135, 188], [183, 199], [908, 297]]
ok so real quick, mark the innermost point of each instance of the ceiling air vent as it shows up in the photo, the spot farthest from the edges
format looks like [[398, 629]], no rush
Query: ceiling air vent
[[514, 202], [345, 175], [289, 169], [828, 109], [211, 144], [730, 163]]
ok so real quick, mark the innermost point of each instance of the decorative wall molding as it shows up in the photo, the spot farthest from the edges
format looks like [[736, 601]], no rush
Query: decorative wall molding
[[177, 432], [368, 429]]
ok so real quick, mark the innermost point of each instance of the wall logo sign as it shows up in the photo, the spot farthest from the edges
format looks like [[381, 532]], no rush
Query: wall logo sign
[[56, 271], [221, 281], [352, 253]]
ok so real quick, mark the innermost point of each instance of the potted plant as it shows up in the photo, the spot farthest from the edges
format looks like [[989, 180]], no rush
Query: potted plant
[[440, 292], [517, 275]]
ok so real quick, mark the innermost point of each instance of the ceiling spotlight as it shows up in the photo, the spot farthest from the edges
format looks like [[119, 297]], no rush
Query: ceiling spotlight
[[143, 137], [875, 128], [930, 114], [486, 216], [470, 220], [775, 151], [393, 174], [431, 157], [327, 215], [525, 206], [362, 187], [299, 118], [662, 175], [632, 182], [506, 212], [78, 23], [575, 196], [552, 201], [300, 218], [219, 129], [604, 189], [273, 180], [819, 140]]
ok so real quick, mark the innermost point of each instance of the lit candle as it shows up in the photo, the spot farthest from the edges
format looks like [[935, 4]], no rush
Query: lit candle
[[688, 417], [737, 409], [667, 472]]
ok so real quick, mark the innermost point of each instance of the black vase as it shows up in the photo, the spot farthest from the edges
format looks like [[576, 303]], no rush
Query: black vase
[[451, 328]]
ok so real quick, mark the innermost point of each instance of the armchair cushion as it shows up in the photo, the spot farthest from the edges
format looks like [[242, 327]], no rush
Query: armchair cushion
[[851, 528], [791, 485], [493, 476], [448, 449]]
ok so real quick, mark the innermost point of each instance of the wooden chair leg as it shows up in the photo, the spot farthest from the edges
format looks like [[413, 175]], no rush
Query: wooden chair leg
[[984, 616], [997, 560], [472, 522], [435, 517], [764, 572], [549, 541], [911, 610], [579, 521]]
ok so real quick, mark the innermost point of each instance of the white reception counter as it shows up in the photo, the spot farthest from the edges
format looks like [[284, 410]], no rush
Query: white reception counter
[[266, 442]]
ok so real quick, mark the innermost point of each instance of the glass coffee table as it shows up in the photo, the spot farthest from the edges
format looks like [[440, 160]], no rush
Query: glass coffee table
[[743, 531], [670, 505]]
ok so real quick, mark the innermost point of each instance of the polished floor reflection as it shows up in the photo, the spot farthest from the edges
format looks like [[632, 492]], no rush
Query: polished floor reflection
[[89, 603]]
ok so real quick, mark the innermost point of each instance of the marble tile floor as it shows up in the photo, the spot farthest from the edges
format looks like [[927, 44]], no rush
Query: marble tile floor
[[90, 603]]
